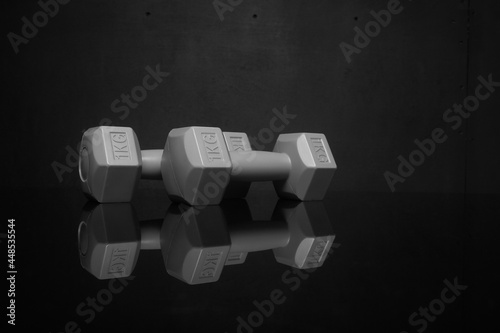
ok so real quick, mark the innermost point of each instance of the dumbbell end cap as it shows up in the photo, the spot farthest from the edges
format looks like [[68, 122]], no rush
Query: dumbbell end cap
[[196, 165], [110, 163], [312, 169]]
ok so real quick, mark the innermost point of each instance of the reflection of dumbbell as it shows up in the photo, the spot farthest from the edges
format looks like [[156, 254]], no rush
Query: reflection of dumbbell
[[198, 162], [111, 162], [300, 236], [196, 244], [110, 238]]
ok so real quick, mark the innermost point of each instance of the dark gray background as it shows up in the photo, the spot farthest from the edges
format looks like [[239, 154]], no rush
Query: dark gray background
[[396, 248], [264, 55]]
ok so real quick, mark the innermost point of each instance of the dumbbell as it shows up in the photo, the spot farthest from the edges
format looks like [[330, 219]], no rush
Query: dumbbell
[[111, 162], [301, 165], [198, 162], [110, 238]]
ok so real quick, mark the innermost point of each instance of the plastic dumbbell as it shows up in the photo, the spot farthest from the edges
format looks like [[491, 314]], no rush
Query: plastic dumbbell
[[301, 165], [198, 162]]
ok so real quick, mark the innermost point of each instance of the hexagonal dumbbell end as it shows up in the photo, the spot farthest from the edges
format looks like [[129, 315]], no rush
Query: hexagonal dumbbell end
[[195, 165], [194, 244], [238, 142], [312, 166], [110, 163], [109, 240], [311, 234]]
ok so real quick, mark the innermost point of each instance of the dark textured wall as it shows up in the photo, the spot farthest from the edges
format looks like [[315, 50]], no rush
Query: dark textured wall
[[264, 55]]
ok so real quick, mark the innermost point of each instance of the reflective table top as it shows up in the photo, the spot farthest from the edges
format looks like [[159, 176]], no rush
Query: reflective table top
[[354, 262]]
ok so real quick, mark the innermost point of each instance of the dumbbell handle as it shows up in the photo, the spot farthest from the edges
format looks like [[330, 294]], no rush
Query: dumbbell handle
[[259, 165], [151, 163], [246, 166]]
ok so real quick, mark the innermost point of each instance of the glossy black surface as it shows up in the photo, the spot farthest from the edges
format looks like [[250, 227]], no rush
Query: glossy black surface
[[265, 58], [392, 255]]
